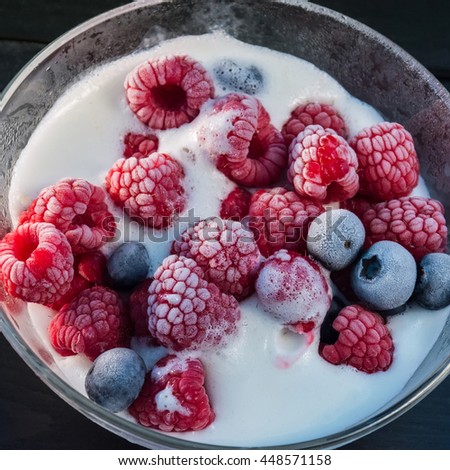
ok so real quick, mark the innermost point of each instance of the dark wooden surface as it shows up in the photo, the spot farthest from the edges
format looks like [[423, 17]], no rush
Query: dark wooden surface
[[33, 417]]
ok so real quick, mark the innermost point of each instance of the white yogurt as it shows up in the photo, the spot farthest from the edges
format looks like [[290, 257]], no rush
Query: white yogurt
[[256, 401]]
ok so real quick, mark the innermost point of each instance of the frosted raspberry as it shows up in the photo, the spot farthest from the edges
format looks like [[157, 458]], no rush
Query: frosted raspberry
[[357, 205], [139, 145], [227, 253], [173, 397], [236, 205], [139, 308], [92, 323], [78, 209], [185, 311], [36, 263], [322, 165], [78, 285], [313, 113], [417, 223], [280, 219], [364, 341], [293, 289], [388, 163], [149, 189], [166, 92], [244, 144]]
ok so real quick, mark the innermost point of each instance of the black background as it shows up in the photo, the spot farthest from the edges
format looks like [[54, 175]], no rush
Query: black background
[[33, 417]]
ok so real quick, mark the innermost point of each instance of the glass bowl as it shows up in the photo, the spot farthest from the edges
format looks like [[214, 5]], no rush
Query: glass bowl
[[368, 65]]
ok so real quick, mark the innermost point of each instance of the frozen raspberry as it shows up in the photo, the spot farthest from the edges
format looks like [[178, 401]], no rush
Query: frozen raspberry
[[417, 223], [293, 289], [236, 205], [149, 189], [388, 163], [139, 307], [280, 219], [139, 145], [322, 165], [36, 263], [166, 92], [244, 144], [173, 397], [313, 113], [92, 323], [364, 341], [357, 205], [227, 253], [185, 311], [78, 284], [78, 209], [92, 267]]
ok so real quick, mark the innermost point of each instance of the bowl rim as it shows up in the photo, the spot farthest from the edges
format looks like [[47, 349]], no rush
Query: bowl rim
[[133, 431]]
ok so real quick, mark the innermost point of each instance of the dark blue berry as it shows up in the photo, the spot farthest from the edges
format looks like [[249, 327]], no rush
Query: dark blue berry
[[433, 281], [128, 265], [335, 238], [235, 77], [115, 379], [385, 275]]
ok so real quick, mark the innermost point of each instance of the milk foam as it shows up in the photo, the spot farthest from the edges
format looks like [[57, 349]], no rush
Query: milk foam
[[256, 401]]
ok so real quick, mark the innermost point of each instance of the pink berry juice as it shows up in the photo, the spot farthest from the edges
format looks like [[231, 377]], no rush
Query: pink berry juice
[[267, 385]]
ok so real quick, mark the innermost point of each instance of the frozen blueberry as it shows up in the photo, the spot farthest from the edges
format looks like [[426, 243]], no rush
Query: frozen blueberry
[[239, 78], [129, 264], [385, 275], [335, 238], [115, 379], [433, 281]]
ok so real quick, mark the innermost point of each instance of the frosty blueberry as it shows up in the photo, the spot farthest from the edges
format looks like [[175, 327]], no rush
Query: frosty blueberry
[[433, 281], [115, 379], [335, 238], [129, 264], [237, 77], [385, 275]]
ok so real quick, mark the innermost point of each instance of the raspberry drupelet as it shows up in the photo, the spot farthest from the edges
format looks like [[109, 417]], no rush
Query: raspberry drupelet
[[167, 92], [227, 253], [388, 163], [187, 312], [78, 209], [173, 397], [313, 113], [364, 341], [322, 166], [36, 263], [280, 219], [149, 189], [242, 141]]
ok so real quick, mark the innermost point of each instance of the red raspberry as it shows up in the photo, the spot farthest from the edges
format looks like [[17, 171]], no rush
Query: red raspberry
[[280, 219], [139, 308], [185, 311], [245, 145], [78, 285], [313, 113], [166, 92], [322, 165], [78, 209], [173, 397], [139, 145], [236, 205], [293, 289], [149, 189], [92, 267], [364, 341], [227, 253], [36, 263], [358, 205], [92, 323], [417, 223], [388, 163]]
